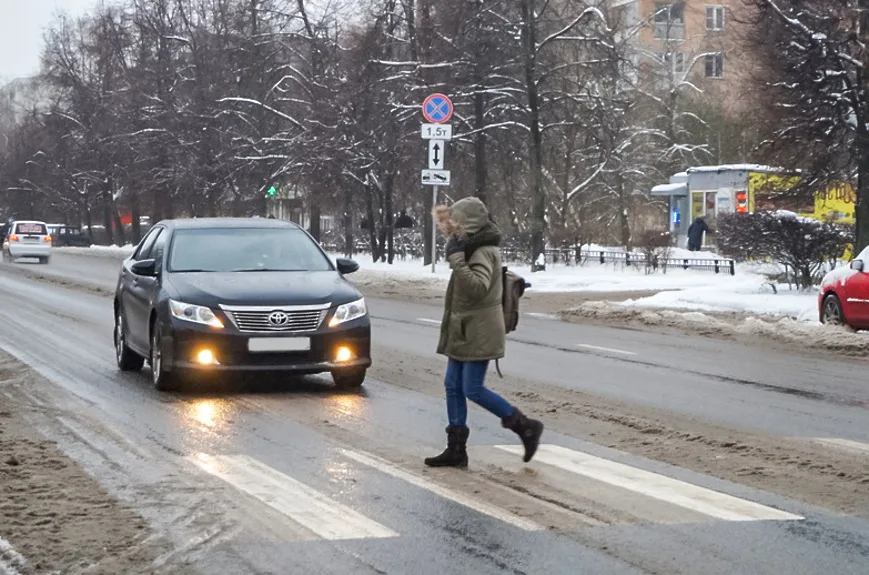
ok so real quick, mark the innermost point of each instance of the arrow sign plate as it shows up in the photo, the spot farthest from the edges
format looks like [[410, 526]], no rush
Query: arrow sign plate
[[436, 177], [436, 154]]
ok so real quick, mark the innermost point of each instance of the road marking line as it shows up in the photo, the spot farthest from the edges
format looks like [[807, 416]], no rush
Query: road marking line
[[609, 349], [843, 444], [431, 321], [693, 497], [469, 502], [310, 508]]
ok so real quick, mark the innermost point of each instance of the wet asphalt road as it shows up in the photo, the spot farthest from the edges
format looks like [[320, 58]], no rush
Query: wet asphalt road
[[295, 477]]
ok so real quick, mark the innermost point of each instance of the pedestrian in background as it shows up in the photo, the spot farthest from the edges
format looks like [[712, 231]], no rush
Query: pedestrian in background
[[472, 331], [695, 233]]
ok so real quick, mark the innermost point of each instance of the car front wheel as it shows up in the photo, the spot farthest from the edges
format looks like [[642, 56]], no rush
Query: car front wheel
[[831, 311], [163, 380], [128, 360], [349, 379]]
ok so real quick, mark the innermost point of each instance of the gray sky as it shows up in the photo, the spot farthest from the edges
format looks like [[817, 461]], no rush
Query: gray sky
[[22, 23]]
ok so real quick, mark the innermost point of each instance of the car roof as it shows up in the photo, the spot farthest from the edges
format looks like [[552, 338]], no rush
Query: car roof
[[218, 223], [29, 222]]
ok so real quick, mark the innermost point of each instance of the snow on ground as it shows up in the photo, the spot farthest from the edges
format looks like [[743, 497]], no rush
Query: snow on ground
[[102, 251], [743, 295], [590, 277], [749, 291]]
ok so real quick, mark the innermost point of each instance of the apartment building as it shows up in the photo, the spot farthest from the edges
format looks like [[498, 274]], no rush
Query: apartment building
[[686, 40]]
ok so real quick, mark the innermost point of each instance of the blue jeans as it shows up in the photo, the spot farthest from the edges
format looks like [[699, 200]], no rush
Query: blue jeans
[[466, 380]]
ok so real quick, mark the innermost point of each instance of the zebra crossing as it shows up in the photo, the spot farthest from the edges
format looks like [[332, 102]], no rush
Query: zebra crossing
[[646, 496]]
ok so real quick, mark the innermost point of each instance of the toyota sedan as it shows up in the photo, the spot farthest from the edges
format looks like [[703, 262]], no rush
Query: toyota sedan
[[235, 295]]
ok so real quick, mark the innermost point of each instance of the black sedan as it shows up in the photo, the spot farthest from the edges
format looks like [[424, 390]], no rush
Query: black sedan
[[217, 295]]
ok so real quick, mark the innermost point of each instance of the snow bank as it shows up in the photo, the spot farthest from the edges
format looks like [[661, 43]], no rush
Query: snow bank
[[590, 277], [787, 330], [119, 252], [747, 292], [744, 295]]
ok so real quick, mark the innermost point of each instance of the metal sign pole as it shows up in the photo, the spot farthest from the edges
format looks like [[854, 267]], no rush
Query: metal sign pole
[[436, 109], [434, 229]]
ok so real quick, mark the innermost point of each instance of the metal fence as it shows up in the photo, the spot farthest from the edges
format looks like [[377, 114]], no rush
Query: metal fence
[[578, 256]]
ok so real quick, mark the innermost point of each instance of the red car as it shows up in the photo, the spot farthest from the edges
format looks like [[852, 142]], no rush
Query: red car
[[844, 295]]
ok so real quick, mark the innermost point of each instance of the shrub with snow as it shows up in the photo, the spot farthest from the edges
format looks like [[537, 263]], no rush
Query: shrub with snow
[[802, 245]]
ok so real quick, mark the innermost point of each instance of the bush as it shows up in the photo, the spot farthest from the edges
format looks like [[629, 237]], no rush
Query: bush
[[802, 245], [655, 246]]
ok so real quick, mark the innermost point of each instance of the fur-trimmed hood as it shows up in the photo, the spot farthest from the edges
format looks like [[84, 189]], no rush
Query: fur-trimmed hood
[[465, 217]]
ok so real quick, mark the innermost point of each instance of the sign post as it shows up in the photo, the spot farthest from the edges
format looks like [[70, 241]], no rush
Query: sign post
[[437, 109]]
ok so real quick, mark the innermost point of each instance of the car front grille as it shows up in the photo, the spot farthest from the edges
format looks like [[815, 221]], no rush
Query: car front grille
[[294, 320]]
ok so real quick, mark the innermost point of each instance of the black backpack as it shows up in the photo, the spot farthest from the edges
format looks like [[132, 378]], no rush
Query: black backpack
[[514, 287]]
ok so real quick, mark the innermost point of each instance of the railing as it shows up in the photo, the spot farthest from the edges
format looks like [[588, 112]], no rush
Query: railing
[[579, 256], [702, 264]]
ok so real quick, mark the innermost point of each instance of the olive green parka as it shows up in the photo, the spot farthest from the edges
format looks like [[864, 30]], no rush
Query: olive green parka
[[473, 323]]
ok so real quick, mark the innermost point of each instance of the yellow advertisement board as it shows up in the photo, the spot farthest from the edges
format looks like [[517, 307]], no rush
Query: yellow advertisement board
[[835, 203]]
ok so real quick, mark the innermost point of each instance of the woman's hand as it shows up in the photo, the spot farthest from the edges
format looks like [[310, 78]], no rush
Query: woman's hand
[[454, 245]]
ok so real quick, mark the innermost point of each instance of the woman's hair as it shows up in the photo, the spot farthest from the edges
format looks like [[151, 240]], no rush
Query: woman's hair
[[443, 216]]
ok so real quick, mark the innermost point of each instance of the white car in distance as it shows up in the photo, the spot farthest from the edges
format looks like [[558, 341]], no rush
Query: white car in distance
[[27, 239]]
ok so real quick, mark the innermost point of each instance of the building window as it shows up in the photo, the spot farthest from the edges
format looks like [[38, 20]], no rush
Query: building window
[[714, 65], [715, 18], [669, 13], [673, 61], [670, 20]]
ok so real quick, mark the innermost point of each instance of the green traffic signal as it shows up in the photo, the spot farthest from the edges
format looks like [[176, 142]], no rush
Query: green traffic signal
[[272, 192]]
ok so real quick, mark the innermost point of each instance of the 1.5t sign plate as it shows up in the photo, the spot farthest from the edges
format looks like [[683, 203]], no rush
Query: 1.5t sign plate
[[437, 131]]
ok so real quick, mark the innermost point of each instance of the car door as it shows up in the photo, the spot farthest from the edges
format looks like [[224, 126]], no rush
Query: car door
[[138, 293], [857, 299]]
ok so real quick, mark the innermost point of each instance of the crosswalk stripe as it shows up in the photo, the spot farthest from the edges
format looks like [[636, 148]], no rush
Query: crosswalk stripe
[[846, 444], [321, 515], [685, 495], [480, 506]]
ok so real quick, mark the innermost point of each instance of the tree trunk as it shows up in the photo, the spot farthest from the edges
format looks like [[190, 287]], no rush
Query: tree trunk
[[480, 144], [861, 208], [315, 221], [538, 192], [389, 224], [119, 226], [372, 225], [89, 221], [348, 222], [107, 216], [135, 210]]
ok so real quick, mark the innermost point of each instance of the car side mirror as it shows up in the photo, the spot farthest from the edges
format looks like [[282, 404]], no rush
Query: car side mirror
[[346, 266], [857, 265], [147, 268]]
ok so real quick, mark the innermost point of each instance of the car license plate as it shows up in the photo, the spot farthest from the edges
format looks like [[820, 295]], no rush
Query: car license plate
[[30, 240], [278, 344]]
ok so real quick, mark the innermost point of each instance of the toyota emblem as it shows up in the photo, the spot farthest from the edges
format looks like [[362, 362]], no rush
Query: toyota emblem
[[278, 318]]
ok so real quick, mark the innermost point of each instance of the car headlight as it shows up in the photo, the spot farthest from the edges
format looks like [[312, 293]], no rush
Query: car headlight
[[349, 312], [194, 313]]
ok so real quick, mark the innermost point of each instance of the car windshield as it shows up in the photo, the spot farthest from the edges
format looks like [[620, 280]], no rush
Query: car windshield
[[245, 250]]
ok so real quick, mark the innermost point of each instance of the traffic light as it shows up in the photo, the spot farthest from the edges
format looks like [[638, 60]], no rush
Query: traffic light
[[273, 191]]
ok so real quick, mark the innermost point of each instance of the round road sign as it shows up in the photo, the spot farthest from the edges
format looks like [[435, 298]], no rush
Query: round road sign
[[437, 109]]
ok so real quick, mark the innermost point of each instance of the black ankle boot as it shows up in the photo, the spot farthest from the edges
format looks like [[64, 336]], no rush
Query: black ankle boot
[[528, 430], [456, 454]]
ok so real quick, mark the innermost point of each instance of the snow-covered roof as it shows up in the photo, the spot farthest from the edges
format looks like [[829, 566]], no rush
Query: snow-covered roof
[[734, 168], [670, 189]]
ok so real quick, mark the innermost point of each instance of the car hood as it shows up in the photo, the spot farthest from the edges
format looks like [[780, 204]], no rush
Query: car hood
[[261, 288], [837, 277]]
